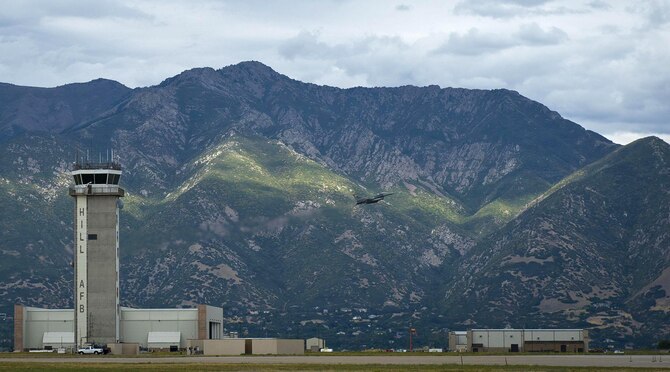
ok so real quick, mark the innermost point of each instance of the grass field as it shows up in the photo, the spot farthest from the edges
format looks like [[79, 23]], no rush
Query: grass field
[[164, 354], [361, 361], [36, 366]]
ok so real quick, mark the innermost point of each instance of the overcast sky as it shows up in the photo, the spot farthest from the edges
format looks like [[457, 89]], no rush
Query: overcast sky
[[602, 64]]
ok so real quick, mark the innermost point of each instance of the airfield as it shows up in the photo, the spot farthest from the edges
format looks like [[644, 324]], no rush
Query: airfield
[[343, 362]]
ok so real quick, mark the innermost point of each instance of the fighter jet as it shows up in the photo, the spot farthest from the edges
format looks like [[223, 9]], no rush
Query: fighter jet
[[372, 200]]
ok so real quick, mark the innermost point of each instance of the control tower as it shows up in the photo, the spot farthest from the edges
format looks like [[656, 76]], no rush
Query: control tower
[[96, 265]]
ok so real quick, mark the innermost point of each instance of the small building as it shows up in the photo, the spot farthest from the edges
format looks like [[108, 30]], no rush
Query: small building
[[225, 346], [315, 344], [249, 346], [458, 341], [520, 340], [274, 346]]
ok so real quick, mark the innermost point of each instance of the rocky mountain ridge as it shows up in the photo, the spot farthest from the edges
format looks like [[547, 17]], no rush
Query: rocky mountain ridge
[[239, 186]]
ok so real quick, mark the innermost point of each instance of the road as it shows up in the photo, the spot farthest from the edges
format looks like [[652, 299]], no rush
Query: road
[[648, 361]]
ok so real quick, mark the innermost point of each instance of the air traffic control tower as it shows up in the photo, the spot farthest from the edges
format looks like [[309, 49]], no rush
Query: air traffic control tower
[[96, 265]]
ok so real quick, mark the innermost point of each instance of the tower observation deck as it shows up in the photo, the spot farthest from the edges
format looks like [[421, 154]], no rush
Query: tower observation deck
[[96, 234]]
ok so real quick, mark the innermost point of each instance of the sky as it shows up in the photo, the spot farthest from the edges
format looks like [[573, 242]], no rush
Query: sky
[[602, 64]]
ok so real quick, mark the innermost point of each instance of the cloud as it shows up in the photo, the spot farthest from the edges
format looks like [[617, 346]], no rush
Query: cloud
[[656, 13], [533, 34], [475, 42], [599, 4], [31, 12], [600, 64], [498, 8], [307, 45], [371, 60]]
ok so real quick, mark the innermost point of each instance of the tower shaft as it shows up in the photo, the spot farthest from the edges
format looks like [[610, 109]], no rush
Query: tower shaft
[[96, 217]]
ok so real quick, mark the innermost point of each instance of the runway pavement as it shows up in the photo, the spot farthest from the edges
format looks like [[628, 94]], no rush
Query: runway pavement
[[648, 361]]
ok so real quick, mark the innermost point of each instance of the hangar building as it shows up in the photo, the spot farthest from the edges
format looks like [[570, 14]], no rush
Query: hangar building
[[36, 328], [520, 340]]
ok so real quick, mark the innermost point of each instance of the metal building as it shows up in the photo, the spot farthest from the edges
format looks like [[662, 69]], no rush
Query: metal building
[[31, 326], [154, 327], [520, 340], [96, 233], [36, 328], [315, 344]]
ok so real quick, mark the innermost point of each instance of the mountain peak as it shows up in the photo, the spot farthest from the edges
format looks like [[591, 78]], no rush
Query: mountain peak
[[646, 145], [197, 74], [99, 83], [252, 69], [254, 66], [650, 141], [248, 71]]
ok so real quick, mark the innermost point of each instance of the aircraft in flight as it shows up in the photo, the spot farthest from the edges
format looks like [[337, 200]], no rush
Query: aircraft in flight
[[375, 199]]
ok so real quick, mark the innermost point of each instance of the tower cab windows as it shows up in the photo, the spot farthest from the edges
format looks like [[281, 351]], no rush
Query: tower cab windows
[[113, 179], [86, 179], [96, 179]]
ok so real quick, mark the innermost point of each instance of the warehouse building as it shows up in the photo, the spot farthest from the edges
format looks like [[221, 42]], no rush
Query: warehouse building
[[520, 340]]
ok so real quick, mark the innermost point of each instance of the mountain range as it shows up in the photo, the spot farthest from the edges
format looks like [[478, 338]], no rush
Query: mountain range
[[239, 193]]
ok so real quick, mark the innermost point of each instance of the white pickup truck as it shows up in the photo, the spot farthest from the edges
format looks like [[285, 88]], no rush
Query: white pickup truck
[[90, 350]]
